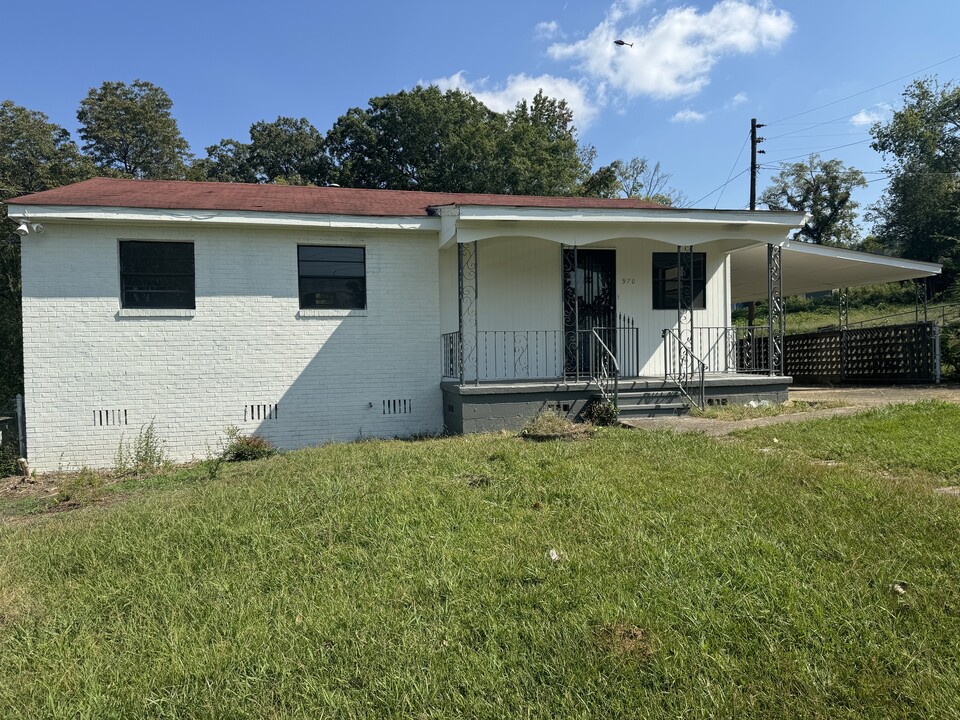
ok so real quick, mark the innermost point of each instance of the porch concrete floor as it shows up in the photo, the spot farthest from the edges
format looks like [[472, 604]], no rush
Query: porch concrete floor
[[856, 399]]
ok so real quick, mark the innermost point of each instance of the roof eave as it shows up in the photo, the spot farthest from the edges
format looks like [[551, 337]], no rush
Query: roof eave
[[82, 213]]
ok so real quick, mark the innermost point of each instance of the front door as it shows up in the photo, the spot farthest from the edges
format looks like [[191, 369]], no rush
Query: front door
[[589, 301]]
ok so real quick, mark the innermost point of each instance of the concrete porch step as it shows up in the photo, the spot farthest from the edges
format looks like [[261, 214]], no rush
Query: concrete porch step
[[652, 403], [652, 397], [653, 410]]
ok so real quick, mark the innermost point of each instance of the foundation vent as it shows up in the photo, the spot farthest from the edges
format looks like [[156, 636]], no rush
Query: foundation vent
[[397, 407], [261, 411], [102, 418]]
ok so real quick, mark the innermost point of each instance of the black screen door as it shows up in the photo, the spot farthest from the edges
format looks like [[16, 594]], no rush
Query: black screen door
[[589, 302]]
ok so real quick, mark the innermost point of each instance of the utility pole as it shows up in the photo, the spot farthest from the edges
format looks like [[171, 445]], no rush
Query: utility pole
[[754, 141]]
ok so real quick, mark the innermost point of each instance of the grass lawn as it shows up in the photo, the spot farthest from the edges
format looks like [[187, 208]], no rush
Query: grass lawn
[[797, 570]]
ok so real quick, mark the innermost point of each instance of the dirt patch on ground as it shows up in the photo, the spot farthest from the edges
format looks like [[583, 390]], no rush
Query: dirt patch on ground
[[627, 640], [36, 487], [854, 400]]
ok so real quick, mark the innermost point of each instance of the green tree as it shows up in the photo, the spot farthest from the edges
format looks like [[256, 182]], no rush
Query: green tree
[[540, 150], [823, 189], [919, 214], [129, 130], [227, 161], [288, 150], [35, 155], [603, 182], [422, 139], [428, 139]]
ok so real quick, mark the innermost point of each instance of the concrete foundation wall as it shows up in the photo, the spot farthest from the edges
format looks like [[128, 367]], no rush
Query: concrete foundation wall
[[472, 409]]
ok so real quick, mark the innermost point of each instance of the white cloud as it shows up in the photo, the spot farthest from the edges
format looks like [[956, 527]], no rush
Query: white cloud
[[547, 30], [867, 117], [688, 116], [739, 99], [505, 96], [673, 54]]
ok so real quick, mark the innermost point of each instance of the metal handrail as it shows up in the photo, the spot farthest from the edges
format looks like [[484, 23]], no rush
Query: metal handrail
[[681, 379], [595, 338], [930, 313]]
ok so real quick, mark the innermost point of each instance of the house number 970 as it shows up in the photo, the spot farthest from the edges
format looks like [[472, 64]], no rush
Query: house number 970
[[629, 281]]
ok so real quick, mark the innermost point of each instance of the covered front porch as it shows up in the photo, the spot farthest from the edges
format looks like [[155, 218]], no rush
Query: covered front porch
[[559, 307]]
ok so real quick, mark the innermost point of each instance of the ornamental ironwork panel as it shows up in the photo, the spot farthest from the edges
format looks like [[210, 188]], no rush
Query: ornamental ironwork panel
[[467, 287], [843, 308], [589, 303], [684, 310], [571, 316], [775, 309]]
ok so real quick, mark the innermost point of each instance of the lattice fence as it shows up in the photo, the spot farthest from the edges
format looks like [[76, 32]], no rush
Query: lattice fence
[[893, 353]]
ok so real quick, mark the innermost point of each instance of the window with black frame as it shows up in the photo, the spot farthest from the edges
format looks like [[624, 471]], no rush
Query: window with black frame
[[665, 281], [157, 275], [332, 277]]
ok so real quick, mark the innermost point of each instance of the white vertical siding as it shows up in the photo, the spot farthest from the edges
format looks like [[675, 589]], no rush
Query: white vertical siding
[[521, 289], [449, 290]]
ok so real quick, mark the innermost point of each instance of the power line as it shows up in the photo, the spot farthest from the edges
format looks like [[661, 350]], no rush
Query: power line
[[843, 118], [720, 187], [820, 135], [836, 147], [864, 92], [732, 168]]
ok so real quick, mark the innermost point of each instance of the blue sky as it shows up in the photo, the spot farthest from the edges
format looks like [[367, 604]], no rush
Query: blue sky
[[683, 95]]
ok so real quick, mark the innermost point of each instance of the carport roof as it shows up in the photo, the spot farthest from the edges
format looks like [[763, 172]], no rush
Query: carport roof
[[811, 268]]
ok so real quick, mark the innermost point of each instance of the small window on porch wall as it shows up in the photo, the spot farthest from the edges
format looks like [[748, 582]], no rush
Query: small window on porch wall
[[332, 277], [665, 284]]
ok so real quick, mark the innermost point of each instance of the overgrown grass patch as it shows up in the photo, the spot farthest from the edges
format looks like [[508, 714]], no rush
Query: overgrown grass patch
[[763, 409], [689, 577]]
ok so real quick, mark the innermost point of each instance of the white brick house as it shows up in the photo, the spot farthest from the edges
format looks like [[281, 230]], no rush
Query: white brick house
[[307, 315]]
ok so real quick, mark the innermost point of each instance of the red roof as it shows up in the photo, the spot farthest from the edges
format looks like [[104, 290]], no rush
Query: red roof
[[184, 195]]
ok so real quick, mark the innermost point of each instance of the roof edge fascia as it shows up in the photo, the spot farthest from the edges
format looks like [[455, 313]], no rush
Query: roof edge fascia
[[468, 212], [89, 213], [859, 256]]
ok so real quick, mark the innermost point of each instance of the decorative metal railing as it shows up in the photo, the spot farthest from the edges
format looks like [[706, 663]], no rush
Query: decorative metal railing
[[583, 351], [944, 314], [541, 354], [683, 367], [604, 368], [451, 354], [734, 349]]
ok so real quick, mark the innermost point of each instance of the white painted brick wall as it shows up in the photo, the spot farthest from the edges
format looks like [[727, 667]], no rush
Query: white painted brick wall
[[247, 343]]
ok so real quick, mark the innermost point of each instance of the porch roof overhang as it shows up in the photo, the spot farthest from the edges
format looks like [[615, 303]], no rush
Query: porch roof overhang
[[586, 226], [812, 268]]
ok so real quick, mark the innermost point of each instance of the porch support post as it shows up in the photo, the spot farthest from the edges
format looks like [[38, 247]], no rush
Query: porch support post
[[571, 313], [844, 321], [467, 290], [460, 311], [685, 309], [843, 307], [920, 286], [775, 310]]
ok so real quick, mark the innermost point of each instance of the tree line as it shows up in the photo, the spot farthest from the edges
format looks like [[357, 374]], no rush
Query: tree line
[[918, 215], [448, 141]]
